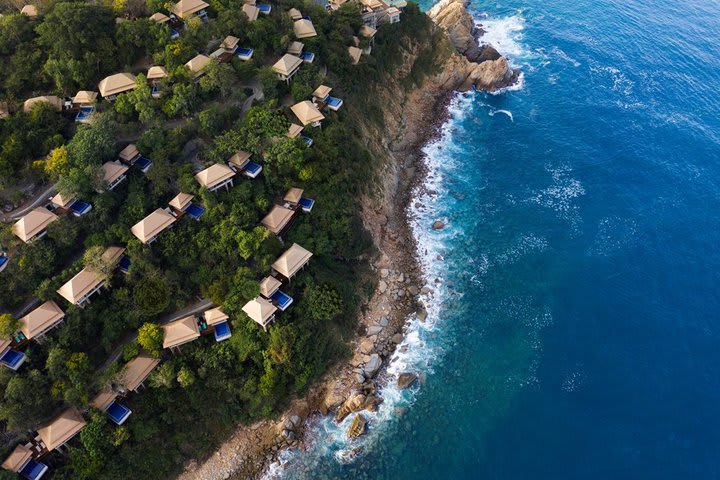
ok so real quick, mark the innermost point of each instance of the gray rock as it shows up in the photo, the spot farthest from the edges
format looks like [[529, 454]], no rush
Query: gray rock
[[295, 419], [397, 338], [374, 330], [291, 436], [384, 272], [359, 377], [373, 365], [383, 321], [413, 290], [425, 290], [406, 379], [382, 286], [401, 293]]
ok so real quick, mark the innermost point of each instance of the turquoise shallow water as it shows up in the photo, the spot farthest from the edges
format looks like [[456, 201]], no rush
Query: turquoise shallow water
[[574, 332]]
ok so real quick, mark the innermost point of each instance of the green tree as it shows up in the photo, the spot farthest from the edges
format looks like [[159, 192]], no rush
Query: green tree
[[8, 325], [185, 377], [151, 295], [280, 344], [150, 337], [219, 79], [323, 302], [163, 376]]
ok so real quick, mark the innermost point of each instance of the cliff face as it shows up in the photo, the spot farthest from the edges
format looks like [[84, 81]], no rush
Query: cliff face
[[487, 69]]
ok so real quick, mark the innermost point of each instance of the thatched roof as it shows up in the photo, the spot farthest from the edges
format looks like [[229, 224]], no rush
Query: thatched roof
[[287, 65], [150, 226], [41, 319], [33, 223], [307, 112], [61, 429], [118, 83], [290, 262], [304, 28]]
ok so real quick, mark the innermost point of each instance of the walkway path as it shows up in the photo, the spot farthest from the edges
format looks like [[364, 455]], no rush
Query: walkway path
[[36, 200], [197, 307]]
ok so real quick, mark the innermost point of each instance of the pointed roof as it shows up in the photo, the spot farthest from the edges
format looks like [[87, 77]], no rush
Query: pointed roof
[[33, 223], [240, 158], [187, 8], [129, 152], [137, 370], [61, 201], [17, 459], [277, 219], [156, 72], [322, 91], [113, 254], [80, 285], [355, 54], [293, 195], [4, 343], [29, 10], [85, 96], [117, 83], [159, 18], [251, 11], [61, 429], [287, 65], [269, 285], [181, 200], [150, 226], [367, 31], [53, 100], [197, 64], [103, 399], [259, 310], [180, 331], [295, 14], [295, 48], [291, 261], [230, 42], [41, 319], [304, 28], [113, 170], [214, 316], [307, 112], [294, 130], [214, 175]]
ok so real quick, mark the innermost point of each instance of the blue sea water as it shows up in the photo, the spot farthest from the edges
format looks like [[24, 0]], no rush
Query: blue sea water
[[574, 327]]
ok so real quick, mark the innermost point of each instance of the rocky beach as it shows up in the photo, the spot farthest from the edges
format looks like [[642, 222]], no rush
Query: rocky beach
[[351, 387]]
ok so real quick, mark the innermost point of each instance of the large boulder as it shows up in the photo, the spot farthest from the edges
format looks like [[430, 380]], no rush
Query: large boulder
[[353, 404], [406, 379], [372, 365], [454, 18], [357, 427]]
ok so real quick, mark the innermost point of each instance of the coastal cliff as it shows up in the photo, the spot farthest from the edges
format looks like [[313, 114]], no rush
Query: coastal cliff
[[410, 104]]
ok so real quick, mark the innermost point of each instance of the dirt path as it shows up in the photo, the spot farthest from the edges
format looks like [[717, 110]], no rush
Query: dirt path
[[37, 199]]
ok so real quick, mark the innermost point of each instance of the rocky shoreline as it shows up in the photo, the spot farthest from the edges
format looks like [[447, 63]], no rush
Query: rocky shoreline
[[349, 387]]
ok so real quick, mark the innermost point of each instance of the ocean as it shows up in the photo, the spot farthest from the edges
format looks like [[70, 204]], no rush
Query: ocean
[[574, 327]]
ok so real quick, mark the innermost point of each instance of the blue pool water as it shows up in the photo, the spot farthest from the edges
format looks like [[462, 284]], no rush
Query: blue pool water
[[574, 332]]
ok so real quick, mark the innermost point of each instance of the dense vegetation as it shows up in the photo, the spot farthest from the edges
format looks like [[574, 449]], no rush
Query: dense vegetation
[[196, 398]]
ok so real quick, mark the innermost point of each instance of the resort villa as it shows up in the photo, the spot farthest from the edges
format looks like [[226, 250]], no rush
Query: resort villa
[[155, 74], [187, 9], [132, 156], [60, 430], [278, 219], [261, 311], [113, 85], [148, 229], [64, 204], [240, 162], [307, 113], [21, 461], [287, 66], [304, 28], [114, 173], [136, 372], [182, 205], [294, 199], [56, 102], [252, 11], [36, 324], [216, 320], [9, 357], [86, 283], [355, 54], [34, 224], [291, 262], [216, 176], [295, 14], [180, 332], [106, 401], [295, 48], [197, 65]]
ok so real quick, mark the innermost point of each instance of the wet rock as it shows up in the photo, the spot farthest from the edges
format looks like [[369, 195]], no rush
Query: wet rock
[[358, 426], [425, 290], [406, 379], [438, 225], [413, 290], [397, 338], [352, 404], [295, 419], [422, 314]]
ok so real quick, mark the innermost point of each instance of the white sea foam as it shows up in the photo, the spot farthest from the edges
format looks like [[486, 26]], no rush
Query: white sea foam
[[505, 34], [509, 114]]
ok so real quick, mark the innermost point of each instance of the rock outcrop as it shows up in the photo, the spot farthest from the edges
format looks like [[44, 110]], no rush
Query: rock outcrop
[[487, 69], [357, 427]]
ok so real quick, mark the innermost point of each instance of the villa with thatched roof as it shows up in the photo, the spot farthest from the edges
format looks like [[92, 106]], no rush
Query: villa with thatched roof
[[307, 113], [292, 261], [278, 219], [197, 65], [114, 173], [44, 318], [294, 130], [136, 371], [295, 14], [85, 97], [304, 28], [52, 100], [148, 229], [355, 54], [180, 332], [261, 311], [34, 224], [110, 87], [61, 429], [215, 176], [187, 9], [82, 286], [287, 66], [252, 11]]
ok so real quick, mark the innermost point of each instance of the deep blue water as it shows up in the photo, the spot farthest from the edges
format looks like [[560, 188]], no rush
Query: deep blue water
[[576, 331]]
